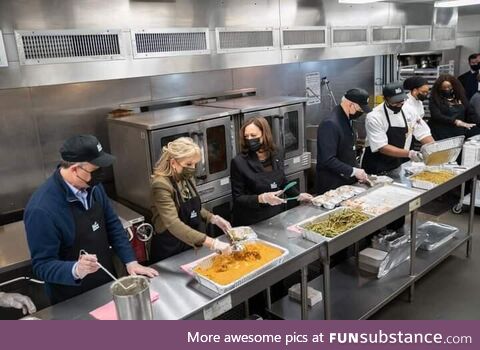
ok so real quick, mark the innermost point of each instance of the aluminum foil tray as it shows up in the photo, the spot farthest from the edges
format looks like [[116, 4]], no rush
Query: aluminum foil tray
[[204, 281], [317, 237], [437, 234], [379, 200], [427, 185], [443, 151]]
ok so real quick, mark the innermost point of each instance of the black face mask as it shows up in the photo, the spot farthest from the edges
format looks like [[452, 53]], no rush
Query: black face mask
[[447, 93], [394, 109], [356, 115], [187, 173], [422, 97], [475, 67], [97, 176], [254, 144]]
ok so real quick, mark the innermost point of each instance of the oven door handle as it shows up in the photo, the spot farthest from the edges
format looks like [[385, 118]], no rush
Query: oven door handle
[[201, 170], [281, 121]]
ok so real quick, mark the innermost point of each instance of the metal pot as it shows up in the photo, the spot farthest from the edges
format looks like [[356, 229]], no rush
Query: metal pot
[[132, 298]]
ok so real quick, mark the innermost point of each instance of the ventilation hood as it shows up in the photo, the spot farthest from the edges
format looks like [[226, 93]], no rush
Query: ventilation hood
[[44, 43]]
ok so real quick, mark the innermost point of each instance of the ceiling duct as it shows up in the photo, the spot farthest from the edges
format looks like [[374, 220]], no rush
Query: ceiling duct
[[304, 37], [244, 39], [386, 35], [444, 33], [165, 42], [3, 54], [347, 36], [66, 46], [414, 34]]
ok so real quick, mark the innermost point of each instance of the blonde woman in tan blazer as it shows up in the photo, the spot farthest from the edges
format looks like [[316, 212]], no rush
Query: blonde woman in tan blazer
[[178, 216]]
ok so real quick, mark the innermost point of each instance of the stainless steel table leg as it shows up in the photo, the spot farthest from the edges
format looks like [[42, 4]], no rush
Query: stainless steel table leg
[[471, 215], [303, 292], [269, 298], [356, 247], [413, 242], [326, 289], [247, 308]]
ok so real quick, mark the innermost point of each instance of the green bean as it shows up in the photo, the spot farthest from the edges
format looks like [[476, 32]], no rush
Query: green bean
[[338, 223]]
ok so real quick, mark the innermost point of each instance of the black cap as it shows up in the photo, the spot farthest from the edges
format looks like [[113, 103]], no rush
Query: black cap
[[85, 148], [394, 92], [414, 83], [360, 97]]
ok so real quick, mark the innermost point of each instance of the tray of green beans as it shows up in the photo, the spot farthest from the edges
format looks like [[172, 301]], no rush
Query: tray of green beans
[[332, 224]]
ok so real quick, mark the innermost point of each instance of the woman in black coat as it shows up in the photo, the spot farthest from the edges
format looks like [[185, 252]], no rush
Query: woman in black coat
[[258, 177], [448, 109]]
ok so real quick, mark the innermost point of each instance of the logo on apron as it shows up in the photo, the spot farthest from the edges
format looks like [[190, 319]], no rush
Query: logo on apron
[[193, 214], [273, 185], [95, 226]]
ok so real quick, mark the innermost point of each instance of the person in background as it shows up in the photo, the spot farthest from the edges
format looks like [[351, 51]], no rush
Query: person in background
[[257, 175], [389, 129], [414, 109], [336, 156], [469, 79], [474, 109], [17, 301], [448, 106], [71, 212], [177, 212]]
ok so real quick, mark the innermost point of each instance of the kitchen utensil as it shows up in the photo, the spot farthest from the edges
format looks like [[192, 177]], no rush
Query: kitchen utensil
[[289, 186], [83, 252], [132, 303]]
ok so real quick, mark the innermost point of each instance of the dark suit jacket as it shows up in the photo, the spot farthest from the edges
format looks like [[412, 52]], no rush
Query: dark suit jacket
[[335, 153]]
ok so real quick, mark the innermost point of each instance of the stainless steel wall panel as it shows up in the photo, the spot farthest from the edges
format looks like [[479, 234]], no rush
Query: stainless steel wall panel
[[21, 166], [65, 110], [277, 80], [166, 86], [343, 75]]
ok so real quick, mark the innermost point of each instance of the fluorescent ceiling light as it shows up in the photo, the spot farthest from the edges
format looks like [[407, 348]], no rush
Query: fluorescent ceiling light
[[455, 3], [357, 1]]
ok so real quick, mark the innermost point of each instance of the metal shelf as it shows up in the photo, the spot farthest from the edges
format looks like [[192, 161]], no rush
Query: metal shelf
[[357, 295]]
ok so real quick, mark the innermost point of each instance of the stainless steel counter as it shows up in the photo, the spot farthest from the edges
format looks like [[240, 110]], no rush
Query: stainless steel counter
[[14, 251], [182, 298]]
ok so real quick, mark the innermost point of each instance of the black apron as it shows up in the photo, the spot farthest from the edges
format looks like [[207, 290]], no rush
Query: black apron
[[267, 181], [90, 235], [380, 164], [442, 131], [165, 245]]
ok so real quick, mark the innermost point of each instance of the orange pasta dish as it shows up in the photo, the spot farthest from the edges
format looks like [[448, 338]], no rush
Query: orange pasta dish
[[225, 269]]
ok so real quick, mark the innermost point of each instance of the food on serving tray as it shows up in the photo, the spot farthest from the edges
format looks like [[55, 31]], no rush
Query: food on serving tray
[[338, 223], [437, 177], [332, 198], [361, 205], [240, 233], [225, 269]]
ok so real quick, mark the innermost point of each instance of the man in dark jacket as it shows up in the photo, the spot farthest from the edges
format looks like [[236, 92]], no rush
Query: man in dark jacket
[[336, 156], [469, 79], [71, 213]]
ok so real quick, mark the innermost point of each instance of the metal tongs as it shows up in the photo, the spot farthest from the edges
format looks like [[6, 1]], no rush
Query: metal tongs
[[83, 252], [234, 243], [370, 182]]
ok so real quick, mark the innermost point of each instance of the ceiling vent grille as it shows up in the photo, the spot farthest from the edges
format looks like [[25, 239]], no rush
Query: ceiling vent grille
[[244, 39], [418, 33], [346, 36], [386, 35], [170, 42], [3, 54], [304, 37], [65, 46], [444, 33]]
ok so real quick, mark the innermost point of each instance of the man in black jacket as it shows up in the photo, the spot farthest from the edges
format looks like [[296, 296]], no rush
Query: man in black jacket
[[336, 156], [469, 79]]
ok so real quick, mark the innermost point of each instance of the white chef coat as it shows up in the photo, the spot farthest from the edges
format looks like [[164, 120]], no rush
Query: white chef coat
[[376, 125]]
